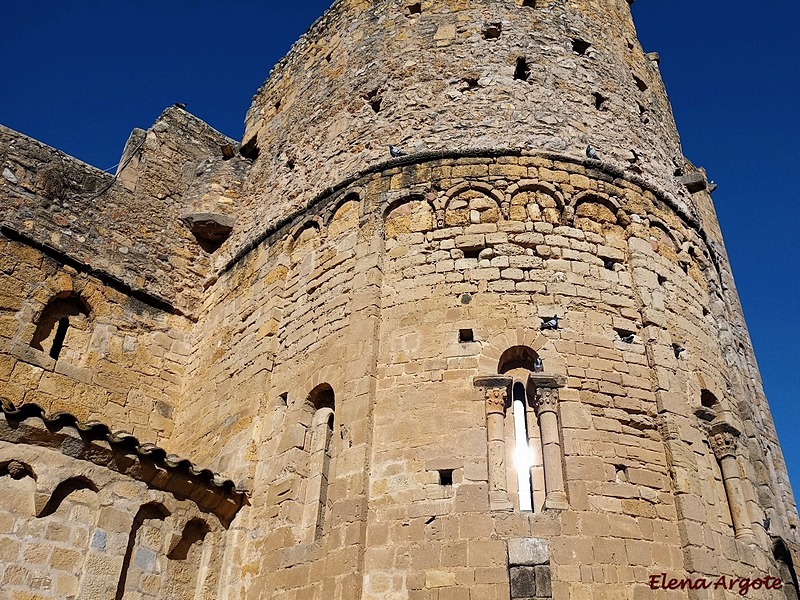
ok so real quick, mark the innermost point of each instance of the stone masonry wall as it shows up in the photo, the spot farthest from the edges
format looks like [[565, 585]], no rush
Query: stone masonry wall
[[434, 76], [81, 529], [122, 363], [492, 245], [128, 226]]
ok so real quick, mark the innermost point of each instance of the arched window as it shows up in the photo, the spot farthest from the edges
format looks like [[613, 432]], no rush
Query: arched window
[[321, 401], [523, 442], [786, 567], [523, 457], [57, 324]]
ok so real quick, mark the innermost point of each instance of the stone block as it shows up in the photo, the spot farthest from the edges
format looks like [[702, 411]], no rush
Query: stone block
[[528, 551], [543, 582], [523, 582], [438, 579]]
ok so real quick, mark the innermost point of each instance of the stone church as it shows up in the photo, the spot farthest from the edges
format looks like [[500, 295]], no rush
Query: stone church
[[502, 359]]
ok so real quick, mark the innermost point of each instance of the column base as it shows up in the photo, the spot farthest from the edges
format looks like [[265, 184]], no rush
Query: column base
[[556, 501], [499, 501], [748, 537]]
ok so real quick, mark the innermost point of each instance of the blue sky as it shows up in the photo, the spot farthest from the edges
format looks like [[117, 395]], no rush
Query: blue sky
[[80, 75]]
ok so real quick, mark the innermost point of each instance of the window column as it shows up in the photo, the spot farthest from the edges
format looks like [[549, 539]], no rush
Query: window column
[[723, 438], [495, 388], [544, 388]]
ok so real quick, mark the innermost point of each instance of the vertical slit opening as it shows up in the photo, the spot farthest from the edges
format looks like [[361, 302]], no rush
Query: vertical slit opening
[[61, 335], [523, 70]]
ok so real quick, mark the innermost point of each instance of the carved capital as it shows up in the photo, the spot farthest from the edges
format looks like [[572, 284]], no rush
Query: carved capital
[[545, 400], [723, 438], [495, 389], [496, 400]]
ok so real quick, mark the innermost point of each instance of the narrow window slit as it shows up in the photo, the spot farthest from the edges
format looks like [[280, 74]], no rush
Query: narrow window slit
[[250, 149], [374, 100], [522, 456], [470, 82], [707, 399], [610, 264], [523, 70], [58, 340], [625, 335]]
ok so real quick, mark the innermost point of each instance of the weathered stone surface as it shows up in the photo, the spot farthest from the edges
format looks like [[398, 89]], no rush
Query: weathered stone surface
[[523, 582], [528, 551], [364, 349]]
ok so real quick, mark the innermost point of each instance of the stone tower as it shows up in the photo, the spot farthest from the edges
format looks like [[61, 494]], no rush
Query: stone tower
[[489, 365]]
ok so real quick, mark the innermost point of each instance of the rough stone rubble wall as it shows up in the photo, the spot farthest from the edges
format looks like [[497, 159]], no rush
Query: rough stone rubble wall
[[127, 227], [439, 80]]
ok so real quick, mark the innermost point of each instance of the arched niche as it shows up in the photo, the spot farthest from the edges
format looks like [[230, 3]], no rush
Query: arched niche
[[598, 214], [305, 238], [319, 447], [345, 216], [142, 559], [782, 555], [537, 202], [78, 489], [471, 206], [408, 215]]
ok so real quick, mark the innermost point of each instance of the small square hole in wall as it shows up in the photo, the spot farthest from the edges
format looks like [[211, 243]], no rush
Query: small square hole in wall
[[284, 399], [414, 9], [580, 46], [622, 473], [446, 477], [473, 253], [465, 335]]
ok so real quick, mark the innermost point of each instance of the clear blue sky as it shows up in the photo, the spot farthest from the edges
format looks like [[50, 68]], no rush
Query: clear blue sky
[[80, 75]]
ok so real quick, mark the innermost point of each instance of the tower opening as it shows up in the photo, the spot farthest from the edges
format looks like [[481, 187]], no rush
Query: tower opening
[[523, 70]]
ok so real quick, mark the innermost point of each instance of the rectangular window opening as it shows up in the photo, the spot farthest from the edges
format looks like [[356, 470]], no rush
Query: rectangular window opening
[[466, 335], [446, 477]]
